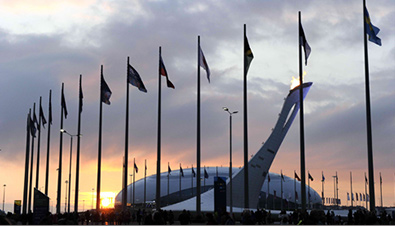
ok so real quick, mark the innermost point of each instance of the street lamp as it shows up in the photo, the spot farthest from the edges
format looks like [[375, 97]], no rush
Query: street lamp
[[230, 158], [65, 201], [4, 196], [71, 154]]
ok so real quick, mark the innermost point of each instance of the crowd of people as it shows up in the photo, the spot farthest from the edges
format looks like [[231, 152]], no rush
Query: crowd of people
[[162, 217]]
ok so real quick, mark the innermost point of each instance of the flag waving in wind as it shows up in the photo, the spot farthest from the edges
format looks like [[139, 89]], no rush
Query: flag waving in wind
[[168, 169], [163, 72], [282, 177], [193, 172], [44, 121], [81, 96], [371, 30], [248, 56], [64, 107], [105, 91], [303, 42], [136, 168], [203, 63], [205, 174], [135, 79], [323, 178], [181, 171], [32, 128], [297, 177], [311, 178]]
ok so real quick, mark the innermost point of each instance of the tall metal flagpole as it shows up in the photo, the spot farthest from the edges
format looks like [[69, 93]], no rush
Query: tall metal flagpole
[[381, 191], [125, 165], [145, 183], [337, 190], [295, 190], [322, 182], [134, 176], [100, 143], [157, 198], [48, 142], [302, 154], [31, 166], [38, 144], [58, 197], [366, 198], [351, 188], [281, 189], [246, 181], [27, 155], [198, 184], [71, 155], [308, 192], [77, 171], [368, 117]]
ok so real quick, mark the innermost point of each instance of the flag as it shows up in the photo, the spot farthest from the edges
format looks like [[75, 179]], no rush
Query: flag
[[381, 179], [32, 128], [367, 198], [303, 42], [163, 72], [268, 177], [356, 196], [352, 196], [105, 91], [282, 177], [360, 197], [366, 179], [193, 172], [168, 169], [311, 178], [136, 168], [203, 63], [371, 30], [297, 177], [50, 111], [181, 171], [348, 196], [135, 79], [247, 53], [35, 119], [205, 174], [64, 107], [81, 97], [44, 121], [363, 196], [323, 178]]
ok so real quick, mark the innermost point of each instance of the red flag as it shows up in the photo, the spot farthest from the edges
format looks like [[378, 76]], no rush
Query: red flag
[[163, 72]]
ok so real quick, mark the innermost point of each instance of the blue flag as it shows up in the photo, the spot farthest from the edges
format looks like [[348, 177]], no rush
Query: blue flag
[[105, 91], [371, 30], [135, 79]]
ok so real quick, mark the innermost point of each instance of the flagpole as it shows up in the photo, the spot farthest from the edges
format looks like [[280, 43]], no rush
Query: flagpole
[[204, 180], [134, 176], [31, 165], [38, 145], [322, 182], [351, 187], [198, 185], [281, 189], [157, 198], [337, 190], [302, 152], [71, 154], [366, 198], [180, 181], [77, 171], [58, 197], [48, 142], [368, 118], [192, 180], [246, 181], [99, 143], [27, 155], [308, 179], [381, 190], [145, 182], [168, 179], [295, 190], [125, 179]]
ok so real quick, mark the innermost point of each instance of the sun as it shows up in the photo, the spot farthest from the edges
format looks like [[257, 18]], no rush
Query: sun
[[107, 199]]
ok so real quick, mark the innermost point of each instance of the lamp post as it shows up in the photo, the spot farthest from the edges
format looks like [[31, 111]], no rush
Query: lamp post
[[92, 198], [230, 157], [4, 196], [71, 154], [65, 201]]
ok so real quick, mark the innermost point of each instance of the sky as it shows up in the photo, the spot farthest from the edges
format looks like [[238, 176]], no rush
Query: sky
[[45, 43]]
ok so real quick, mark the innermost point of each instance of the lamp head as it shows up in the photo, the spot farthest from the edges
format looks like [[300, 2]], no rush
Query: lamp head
[[63, 131], [225, 108], [235, 112]]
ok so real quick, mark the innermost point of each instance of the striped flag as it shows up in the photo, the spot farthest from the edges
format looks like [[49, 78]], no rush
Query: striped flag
[[203, 63], [163, 72]]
